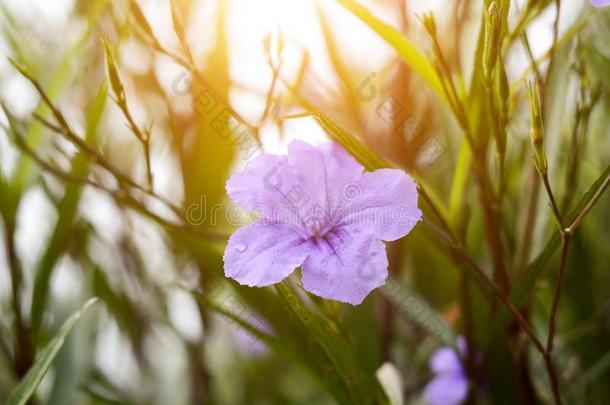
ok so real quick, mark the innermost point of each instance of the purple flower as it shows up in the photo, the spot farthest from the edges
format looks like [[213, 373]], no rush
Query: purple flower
[[318, 210], [600, 3], [450, 383]]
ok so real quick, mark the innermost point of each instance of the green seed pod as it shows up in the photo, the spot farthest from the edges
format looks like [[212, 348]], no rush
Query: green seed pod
[[502, 88], [537, 128], [429, 23], [493, 30], [113, 73]]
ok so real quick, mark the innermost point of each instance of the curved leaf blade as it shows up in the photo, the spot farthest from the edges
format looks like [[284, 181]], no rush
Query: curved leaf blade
[[26, 388], [407, 51]]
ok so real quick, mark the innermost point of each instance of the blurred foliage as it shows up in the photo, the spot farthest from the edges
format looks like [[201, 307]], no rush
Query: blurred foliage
[[111, 188]]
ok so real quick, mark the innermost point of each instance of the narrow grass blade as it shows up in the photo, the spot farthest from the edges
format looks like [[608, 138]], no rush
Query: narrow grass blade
[[408, 52], [417, 310], [26, 388], [338, 353]]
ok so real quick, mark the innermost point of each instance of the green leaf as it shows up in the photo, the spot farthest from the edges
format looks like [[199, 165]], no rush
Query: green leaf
[[340, 357], [416, 309], [289, 338], [270, 341], [26, 388], [407, 50]]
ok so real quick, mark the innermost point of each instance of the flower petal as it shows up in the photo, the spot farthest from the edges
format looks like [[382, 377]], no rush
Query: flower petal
[[346, 266], [387, 203], [261, 254], [337, 161], [325, 171], [445, 360], [446, 389], [262, 187], [600, 3]]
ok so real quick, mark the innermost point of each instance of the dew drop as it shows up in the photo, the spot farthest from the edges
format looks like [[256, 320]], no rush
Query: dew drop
[[240, 247]]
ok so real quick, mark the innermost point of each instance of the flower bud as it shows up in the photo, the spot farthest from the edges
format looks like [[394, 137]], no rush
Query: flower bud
[[537, 128], [492, 30], [113, 73], [502, 88], [429, 23]]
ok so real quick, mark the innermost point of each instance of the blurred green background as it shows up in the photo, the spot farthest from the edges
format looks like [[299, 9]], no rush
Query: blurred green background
[[113, 187]]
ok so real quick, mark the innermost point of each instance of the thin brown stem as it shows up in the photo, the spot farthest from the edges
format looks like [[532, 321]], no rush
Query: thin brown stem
[[494, 240], [121, 195], [23, 348], [506, 302], [530, 219], [452, 94], [555, 39], [144, 139], [532, 59], [97, 157], [554, 206], [470, 355], [465, 257], [566, 234], [550, 368], [190, 66], [435, 210], [461, 253], [565, 244]]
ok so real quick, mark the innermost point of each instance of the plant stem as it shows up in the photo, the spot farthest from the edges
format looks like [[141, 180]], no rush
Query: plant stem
[[463, 255], [530, 220], [24, 354], [144, 138], [548, 362], [555, 39], [566, 234], [565, 244], [470, 355], [554, 206], [494, 240], [505, 300]]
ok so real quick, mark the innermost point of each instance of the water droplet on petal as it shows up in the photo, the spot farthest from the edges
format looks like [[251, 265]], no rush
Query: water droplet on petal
[[240, 247]]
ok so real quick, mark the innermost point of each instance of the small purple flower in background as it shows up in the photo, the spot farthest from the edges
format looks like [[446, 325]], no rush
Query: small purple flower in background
[[450, 383], [600, 3], [318, 210]]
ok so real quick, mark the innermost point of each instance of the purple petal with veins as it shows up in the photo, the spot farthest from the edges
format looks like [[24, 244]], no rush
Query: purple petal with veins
[[318, 209]]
